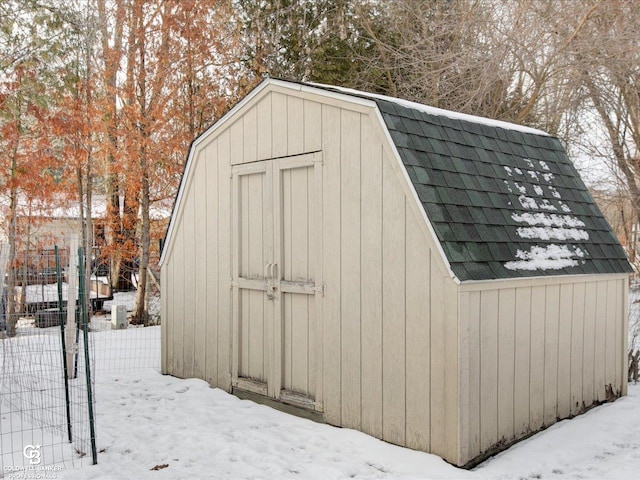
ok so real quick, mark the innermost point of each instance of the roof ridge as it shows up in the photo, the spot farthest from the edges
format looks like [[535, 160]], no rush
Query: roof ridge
[[441, 112]]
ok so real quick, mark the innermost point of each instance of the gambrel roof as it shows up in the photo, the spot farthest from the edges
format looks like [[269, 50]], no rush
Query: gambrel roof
[[504, 200]]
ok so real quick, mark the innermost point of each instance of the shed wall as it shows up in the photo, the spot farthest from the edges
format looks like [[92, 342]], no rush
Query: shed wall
[[388, 330], [536, 351], [197, 271]]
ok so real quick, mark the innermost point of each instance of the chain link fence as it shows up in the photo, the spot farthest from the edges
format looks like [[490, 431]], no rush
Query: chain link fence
[[50, 357]]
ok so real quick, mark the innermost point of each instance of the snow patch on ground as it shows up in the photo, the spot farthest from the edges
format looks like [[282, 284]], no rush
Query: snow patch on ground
[[148, 420], [151, 426], [46, 293], [603, 443]]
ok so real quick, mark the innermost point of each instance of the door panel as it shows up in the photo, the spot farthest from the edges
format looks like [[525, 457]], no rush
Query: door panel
[[298, 373], [275, 251], [297, 200], [254, 246], [253, 339], [253, 206]]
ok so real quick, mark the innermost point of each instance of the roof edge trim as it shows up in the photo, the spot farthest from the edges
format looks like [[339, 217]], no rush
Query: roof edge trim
[[495, 283], [192, 149], [416, 199]]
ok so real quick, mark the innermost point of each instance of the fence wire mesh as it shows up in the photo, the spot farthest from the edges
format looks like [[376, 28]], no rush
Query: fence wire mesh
[[33, 410], [45, 424], [44, 401]]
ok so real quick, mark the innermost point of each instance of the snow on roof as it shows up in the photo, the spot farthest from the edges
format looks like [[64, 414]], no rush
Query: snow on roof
[[436, 111], [547, 257], [545, 226]]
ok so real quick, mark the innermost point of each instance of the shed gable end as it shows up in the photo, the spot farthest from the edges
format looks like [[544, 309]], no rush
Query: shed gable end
[[275, 125]]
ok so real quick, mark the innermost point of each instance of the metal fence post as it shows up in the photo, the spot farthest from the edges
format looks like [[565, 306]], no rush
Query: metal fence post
[[72, 295], [61, 321], [87, 365]]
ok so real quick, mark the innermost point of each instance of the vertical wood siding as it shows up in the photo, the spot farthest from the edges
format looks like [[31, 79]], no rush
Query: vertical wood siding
[[331, 258], [371, 280], [223, 314], [200, 274], [211, 262], [197, 272], [506, 333], [418, 335], [179, 299], [350, 269], [393, 308], [546, 349], [299, 338], [536, 352], [402, 352], [388, 332], [190, 288], [390, 355], [488, 341]]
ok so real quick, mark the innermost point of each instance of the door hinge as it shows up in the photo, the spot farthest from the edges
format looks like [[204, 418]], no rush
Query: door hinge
[[321, 289]]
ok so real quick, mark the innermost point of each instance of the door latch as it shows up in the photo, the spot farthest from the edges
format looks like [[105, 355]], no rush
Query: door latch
[[271, 272]]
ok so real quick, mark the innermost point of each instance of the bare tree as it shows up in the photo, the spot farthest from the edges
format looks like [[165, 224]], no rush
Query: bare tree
[[607, 63], [489, 58]]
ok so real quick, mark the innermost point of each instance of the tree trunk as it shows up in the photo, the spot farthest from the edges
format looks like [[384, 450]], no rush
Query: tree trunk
[[140, 313], [112, 56], [25, 268], [11, 316], [88, 226], [85, 228]]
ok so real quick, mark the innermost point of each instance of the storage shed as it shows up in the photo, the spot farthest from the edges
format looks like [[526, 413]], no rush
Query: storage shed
[[440, 281]]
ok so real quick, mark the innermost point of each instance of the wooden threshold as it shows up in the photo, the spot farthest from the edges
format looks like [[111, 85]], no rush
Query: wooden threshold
[[250, 385], [281, 406]]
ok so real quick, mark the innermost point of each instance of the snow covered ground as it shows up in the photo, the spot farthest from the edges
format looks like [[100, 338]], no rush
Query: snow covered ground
[[46, 293], [160, 427]]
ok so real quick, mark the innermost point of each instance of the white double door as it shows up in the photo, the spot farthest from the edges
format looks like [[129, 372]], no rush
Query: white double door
[[276, 251]]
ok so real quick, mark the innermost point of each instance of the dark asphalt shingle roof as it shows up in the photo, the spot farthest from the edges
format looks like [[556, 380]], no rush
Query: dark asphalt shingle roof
[[498, 198], [504, 201]]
